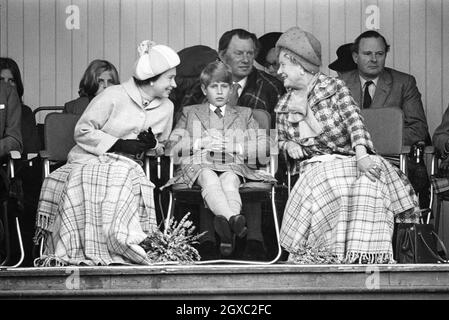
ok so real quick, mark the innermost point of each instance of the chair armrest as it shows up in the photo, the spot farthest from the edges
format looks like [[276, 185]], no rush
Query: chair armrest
[[15, 155], [44, 154], [429, 150], [405, 149]]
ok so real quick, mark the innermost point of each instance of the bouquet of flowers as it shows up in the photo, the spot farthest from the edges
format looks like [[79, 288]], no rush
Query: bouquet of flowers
[[313, 253], [174, 244]]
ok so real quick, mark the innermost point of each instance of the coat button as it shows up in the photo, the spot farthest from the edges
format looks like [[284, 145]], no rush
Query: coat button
[[136, 131]]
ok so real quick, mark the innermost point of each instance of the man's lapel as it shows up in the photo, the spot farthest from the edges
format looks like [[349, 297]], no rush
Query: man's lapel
[[382, 90], [354, 85]]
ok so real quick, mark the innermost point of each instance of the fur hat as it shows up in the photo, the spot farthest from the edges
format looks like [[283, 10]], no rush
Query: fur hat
[[154, 59], [344, 60], [304, 45]]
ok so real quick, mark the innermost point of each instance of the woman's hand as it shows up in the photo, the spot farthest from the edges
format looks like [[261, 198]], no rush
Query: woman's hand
[[295, 151], [367, 166]]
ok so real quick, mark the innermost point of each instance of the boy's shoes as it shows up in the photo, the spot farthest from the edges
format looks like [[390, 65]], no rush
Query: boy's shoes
[[254, 251], [223, 230], [238, 225], [208, 250]]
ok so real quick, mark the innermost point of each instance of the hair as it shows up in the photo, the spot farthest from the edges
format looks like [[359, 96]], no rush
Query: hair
[[215, 71], [8, 63], [142, 83], [293, 57], [225, 39], [89, 82], [369, 34]]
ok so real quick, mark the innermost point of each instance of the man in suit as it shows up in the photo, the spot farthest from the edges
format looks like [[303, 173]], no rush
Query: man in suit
[[375, 86]]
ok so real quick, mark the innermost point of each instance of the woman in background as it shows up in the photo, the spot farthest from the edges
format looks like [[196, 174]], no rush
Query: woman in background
[[99, 75]]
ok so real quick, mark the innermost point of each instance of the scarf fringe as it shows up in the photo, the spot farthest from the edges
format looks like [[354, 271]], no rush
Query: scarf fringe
[[49, 261], [367, 258], [43, 221]]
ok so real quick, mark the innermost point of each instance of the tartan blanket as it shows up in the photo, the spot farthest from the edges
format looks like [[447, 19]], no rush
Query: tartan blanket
[[440, 184], [95, 213], [333, 205]]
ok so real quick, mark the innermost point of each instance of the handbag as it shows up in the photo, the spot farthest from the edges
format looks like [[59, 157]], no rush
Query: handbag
[[417, 243]]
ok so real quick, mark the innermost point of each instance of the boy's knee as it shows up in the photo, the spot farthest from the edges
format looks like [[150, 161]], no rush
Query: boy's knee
[[229, 178]]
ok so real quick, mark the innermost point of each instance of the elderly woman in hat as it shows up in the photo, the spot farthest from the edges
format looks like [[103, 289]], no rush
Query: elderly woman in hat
[[346, 198], [98, 208]]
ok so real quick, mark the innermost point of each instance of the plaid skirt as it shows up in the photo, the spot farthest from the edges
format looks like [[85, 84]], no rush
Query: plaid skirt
[[333, 205], [95, 213], [190, 168]]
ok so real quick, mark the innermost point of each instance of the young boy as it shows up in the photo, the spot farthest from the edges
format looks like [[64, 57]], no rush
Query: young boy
[[216, 137]]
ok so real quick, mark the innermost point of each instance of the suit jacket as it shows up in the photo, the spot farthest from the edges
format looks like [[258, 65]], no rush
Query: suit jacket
[[237, 120], [441, 135], [10, 119], [395, 89], [262, 91], [77, 106]]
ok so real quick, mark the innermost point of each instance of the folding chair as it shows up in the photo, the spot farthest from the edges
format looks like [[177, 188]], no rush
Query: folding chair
[[39, 117], [386, 127], [249, 192], [6, 214], [58, 139]]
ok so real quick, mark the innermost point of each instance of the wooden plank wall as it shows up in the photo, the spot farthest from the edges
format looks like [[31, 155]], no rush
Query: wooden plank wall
[[53, 57]]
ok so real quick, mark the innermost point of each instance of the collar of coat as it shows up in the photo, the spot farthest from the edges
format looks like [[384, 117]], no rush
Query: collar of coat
[[202, 113], [321, 87], [132, 90]]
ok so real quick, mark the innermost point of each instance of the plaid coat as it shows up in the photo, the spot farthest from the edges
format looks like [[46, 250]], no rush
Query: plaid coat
[[337, 112], [239, 124]]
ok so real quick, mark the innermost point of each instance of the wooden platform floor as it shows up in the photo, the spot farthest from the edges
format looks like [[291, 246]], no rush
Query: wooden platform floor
[[280, 281]]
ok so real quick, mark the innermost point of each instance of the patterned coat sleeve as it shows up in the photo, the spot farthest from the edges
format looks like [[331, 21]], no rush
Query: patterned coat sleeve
[[352, 119]]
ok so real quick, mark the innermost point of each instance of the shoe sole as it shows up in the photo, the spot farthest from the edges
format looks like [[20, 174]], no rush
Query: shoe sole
[[240, 228], [223, 230]]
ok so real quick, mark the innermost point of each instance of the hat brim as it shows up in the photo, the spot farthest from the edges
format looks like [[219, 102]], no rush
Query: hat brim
[[267, 41], [342, 66]]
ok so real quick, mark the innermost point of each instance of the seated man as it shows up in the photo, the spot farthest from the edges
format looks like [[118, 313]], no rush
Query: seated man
[[374, 86]]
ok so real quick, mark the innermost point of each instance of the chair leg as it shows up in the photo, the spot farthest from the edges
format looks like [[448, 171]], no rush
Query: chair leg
[[6, 228], [276, 226], [437, 215], [22, 251], [170, 211]]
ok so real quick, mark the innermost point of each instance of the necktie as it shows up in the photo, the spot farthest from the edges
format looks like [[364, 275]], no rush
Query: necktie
[[366, 96], [234, 94], [218, 112]]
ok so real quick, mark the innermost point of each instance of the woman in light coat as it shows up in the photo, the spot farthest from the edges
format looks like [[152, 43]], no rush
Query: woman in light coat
[[99, 208]]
